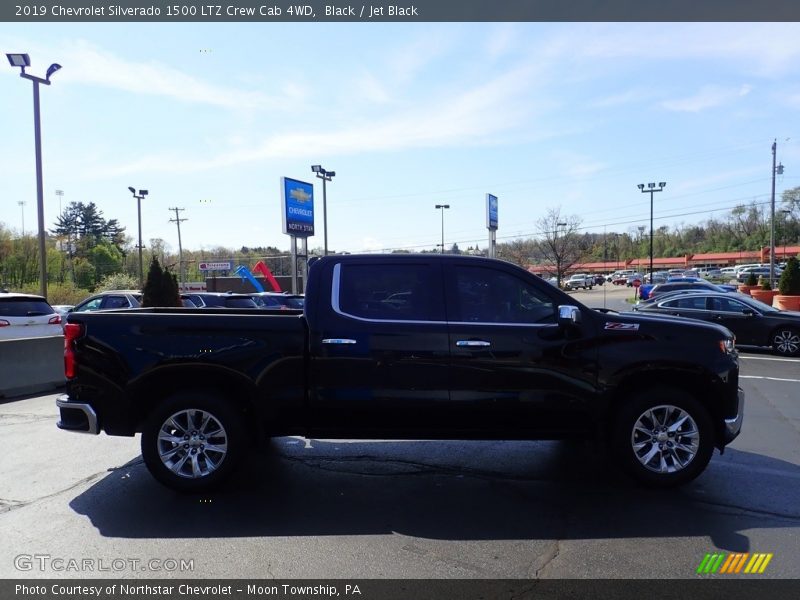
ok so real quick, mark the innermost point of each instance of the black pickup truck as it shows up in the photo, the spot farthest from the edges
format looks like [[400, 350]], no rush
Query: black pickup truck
[[404, 347]]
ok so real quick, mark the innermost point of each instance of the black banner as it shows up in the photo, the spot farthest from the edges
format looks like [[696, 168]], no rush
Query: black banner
[[728, 588], [411, 11]]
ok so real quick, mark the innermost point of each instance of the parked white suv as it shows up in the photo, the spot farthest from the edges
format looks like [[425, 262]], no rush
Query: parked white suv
[[580, 281], [27, 316]]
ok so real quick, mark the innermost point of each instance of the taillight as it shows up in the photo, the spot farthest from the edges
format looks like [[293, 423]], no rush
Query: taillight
[[55, 320], [72, 332], [4, 323]]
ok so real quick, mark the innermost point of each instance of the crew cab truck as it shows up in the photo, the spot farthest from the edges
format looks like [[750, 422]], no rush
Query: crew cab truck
[[404, 347]]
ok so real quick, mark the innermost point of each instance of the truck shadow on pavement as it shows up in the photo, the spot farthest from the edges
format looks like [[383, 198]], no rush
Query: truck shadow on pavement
[[449, 490]]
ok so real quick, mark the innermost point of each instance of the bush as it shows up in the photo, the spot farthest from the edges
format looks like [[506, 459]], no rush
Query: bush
[[764, 285], [59, 293], [789, 284], [118, 281], [751, 279]]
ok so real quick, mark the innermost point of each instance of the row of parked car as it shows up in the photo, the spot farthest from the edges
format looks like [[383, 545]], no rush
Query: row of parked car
[[751, 321], [27, 315]]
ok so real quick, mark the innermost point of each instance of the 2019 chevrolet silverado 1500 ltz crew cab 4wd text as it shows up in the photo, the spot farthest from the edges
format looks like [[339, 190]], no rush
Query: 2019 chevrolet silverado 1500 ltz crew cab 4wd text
[[404, 347]]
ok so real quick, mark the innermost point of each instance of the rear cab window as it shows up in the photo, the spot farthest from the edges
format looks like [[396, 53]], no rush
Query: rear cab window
[[389, 292]]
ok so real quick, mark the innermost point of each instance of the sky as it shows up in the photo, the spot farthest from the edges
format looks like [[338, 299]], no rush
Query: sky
[[572, 116]]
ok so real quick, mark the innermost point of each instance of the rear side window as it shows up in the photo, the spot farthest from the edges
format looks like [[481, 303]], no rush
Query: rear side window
[[23, 307], [690, 301], [491, 296], [116, 302], [392, 292]]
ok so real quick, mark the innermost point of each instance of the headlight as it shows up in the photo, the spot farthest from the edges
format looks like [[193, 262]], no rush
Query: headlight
[[728, 345]]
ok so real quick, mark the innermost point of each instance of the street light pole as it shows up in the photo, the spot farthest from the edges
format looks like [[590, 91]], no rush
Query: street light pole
[[651, 188], [325, 176], [779, 170], [442, 207], [139, 198], [22, 61]]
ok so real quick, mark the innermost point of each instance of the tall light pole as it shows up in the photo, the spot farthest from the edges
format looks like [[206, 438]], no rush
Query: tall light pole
[[779, 170], [60, 194], [442, 207], [139, 198], [325, 176], [22, 61], [651, 189], [557, 253]]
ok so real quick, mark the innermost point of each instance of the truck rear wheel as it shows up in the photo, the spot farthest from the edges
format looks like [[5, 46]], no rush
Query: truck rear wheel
[[192, 441], [663, 438]]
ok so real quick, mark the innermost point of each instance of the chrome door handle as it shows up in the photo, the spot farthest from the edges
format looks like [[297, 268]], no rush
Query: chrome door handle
[[338, 341], [473, 344]]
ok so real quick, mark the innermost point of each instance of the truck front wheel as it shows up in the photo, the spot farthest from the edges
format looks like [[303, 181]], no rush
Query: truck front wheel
[[192, 441], [663, 438]]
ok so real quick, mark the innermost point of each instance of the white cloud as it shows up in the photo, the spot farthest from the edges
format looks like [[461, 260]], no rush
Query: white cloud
[[473, 117], [707, 97], [90, 64]]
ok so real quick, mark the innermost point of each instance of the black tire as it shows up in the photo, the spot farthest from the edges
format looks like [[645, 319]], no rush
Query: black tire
[[670, 463], [785, 341], [198, 421]]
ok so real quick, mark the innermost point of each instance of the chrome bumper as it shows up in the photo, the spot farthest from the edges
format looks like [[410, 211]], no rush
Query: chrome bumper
[[76, 416], [734, 426]]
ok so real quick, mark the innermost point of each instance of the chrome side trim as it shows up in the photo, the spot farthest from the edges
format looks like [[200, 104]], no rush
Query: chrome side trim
[[473, 344], [62, 402], [338, 341]]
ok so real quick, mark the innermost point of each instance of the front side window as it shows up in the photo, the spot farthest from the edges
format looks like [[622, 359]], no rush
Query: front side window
[[392, 292], [491, 296], [93, 304]]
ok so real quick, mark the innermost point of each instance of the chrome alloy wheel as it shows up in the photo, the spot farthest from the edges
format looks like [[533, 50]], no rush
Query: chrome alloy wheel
[[786, 342], [665, 439], [192, 443]]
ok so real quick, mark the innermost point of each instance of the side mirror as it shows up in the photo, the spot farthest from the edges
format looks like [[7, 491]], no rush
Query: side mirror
[[748, 312], [568, 315]]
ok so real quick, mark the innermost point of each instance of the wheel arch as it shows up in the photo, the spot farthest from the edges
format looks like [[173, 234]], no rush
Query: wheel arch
[[702, 386], [163, 383]]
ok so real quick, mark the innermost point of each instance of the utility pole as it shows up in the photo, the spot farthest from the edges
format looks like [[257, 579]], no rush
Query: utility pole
[[177, 220], [775, 170]]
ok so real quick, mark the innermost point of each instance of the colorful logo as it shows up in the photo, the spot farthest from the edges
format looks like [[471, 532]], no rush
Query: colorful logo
[[734, 563]]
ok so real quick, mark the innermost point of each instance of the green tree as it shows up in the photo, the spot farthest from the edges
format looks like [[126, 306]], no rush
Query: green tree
[[789, 284], [161, 287]]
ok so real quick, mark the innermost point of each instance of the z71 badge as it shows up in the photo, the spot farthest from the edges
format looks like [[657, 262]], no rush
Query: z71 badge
[[622, 326]]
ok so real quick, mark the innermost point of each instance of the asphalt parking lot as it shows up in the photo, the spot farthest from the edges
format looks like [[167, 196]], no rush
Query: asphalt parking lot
[[352, 509]]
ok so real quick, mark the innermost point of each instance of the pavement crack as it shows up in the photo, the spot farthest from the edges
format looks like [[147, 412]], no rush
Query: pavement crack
[[9, 505], [552, 553]]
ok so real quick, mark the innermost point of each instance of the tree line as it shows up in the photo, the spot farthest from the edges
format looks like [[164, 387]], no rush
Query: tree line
[[84, 249]]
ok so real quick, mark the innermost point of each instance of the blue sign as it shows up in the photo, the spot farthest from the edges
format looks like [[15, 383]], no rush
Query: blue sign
[[491, 212], [297, 206]]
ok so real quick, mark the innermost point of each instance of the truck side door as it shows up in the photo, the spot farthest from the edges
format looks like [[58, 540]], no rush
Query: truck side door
[[513, 367], [380, 351]]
